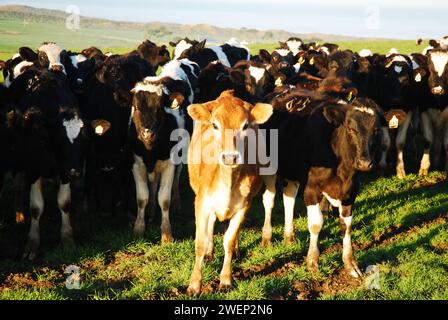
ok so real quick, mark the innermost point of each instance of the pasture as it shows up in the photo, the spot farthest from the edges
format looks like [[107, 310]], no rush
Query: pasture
[[399, 226]]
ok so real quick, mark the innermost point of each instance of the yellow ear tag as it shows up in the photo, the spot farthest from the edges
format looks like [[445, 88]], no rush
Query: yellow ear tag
[[301, 60], [393, 123], [278, 82], [99, 130], [418, 77], [20, 217], [350, 96], [175, 104], [312, 61]]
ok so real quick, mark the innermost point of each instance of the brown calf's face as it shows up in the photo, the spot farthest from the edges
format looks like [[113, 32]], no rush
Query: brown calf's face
[[230, 119]]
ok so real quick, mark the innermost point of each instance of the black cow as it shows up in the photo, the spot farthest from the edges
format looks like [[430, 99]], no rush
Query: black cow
[[49, 142], [229, 54], [157, 56], [322, 147]]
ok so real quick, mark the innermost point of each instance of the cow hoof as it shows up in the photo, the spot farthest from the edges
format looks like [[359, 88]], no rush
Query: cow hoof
[[289, 239], [265, 242], [423, 172], [225, 284], [401, 174], [167, 238], [139, 230], [194, 289], [352, 267], [31, 249], [312, 262]]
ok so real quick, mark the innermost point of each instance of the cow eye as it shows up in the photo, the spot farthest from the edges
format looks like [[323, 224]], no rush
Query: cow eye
[[246, 125], [215, 126], [351, 130]]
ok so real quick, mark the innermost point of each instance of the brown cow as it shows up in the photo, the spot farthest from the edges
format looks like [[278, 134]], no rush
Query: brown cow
[[225, 182]]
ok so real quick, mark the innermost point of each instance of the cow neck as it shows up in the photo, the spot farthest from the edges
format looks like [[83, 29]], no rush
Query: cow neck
[[343, 150], [228, 177]]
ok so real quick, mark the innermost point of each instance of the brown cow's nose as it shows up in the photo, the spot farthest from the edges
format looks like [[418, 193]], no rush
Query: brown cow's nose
[[364, 164], [230, 158]]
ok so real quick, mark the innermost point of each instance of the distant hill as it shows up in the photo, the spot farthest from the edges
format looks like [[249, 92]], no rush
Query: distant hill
[[24, 25]]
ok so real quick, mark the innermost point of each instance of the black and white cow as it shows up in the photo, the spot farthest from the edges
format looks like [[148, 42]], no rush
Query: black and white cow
[[321, 146], [229, 53], [281, 64], [433, 124], [293, 44], [80, 70], [13, 68], [49, 55], [49, 143]]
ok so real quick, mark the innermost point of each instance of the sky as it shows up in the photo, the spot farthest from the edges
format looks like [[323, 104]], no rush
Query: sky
[[406, 19]]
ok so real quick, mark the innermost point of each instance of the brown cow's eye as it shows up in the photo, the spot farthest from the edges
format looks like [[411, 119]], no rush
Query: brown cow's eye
[[215, 126]]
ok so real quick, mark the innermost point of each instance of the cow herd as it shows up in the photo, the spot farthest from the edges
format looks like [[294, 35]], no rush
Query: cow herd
[[317, 114]]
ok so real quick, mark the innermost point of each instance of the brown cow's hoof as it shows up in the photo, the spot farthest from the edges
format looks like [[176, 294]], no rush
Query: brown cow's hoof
[[289, 239], [167, 238], [225, 283], [265, 242], [423, 172], [194, 289], [139, 230], [209, 256], [352, 267], [312, 261], [401, 174]]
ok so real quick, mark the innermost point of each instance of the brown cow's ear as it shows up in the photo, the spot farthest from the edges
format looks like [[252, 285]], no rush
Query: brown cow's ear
[[237, 76], [282, 44], [334, 114], [261, 113], [201, 45], [265, 56], [200, 112], [2, 64]]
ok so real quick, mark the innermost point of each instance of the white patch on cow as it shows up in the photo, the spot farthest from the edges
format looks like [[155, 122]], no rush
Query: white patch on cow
[[365, 53], [415, 65], [294, 46], [444, 43], [325, 50], [75, 59], [147, 86], [297, 67], [392, 51], [257, 73], [180, 48], [173, 70], [398, 58], [334, 202], [425, 51], [73, 128], [283, 52], [17, 71], [398, 69], [221, 56], [235, 43], [53, 52], [17, 55], [315, 222], [366, 110], [439, 60]]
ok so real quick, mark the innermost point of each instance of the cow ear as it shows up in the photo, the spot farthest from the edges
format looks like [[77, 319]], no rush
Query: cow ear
[[201, 45], [2, 64], [282, 44], [200, 112], [265, 56], [261, 113], [334, 114], [28, 54], [177, 99], [173, 44], [434, 43]]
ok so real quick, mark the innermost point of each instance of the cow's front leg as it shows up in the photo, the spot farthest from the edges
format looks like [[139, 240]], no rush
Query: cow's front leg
[[385, 146], [176, 202], [289, 199], [141, 186], [64, 201], [345, 220], [315, 223], [164, 197], [229, 241], [268, 203], [201, 246], [400, 142], [210, 231], [36, 209], [428, 137]]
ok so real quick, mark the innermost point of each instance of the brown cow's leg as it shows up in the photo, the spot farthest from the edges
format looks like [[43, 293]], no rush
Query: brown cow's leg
[[315, 222], [428, 137], [289, 199], [36, 209], [345, 220], [268, 203], [400, 142], [210, 230], [230, 238], [164, 197], [201, 245]]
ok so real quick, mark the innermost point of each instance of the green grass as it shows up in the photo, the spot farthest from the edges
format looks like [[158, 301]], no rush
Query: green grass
[[399, 225]]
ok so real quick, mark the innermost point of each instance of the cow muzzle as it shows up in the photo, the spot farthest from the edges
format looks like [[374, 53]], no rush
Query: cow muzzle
[[230, 159], [438, 90], [57, 68], [364, 164]]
